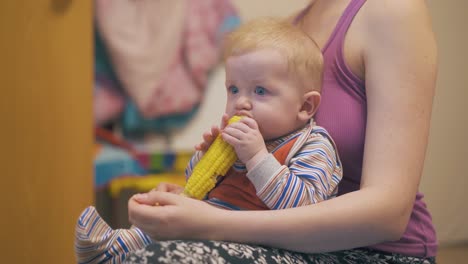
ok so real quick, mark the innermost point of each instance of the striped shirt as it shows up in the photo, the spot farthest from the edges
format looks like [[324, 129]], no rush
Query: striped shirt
[[310, 173]]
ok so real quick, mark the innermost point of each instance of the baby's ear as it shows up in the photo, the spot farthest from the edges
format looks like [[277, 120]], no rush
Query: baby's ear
[[310, 106]]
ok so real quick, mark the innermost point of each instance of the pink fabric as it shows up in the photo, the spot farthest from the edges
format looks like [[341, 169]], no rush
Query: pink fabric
[[107, 103], [203, 35], [343, 112], [162, 51]]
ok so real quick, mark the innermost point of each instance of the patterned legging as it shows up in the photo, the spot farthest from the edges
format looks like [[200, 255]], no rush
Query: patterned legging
[[226, 252]]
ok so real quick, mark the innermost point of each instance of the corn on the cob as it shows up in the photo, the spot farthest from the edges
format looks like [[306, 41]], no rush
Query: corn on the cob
[[217, 160]]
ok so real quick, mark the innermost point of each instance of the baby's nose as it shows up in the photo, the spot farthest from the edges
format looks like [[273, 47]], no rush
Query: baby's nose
[[243, 103]]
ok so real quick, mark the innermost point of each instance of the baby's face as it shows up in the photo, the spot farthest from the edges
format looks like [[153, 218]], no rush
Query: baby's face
[[259, 85]]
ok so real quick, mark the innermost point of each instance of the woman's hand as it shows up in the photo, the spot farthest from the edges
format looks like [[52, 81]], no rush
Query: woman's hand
[[165, 215], [168, 187]]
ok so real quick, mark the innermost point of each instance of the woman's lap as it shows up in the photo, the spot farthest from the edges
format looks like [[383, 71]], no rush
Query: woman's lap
[[226, 252]]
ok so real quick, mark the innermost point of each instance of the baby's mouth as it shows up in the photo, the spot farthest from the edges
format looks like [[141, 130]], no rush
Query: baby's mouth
[[244, 113]]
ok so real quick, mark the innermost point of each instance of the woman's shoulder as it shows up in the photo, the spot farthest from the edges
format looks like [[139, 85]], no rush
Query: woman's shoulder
[[392, 25], [382, 13]]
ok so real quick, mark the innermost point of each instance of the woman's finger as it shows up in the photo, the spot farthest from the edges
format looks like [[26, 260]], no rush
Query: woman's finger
[[159, 198], [168, 187]]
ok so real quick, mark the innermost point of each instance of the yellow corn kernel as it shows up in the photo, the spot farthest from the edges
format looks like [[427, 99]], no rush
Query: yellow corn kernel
[[217, 160]]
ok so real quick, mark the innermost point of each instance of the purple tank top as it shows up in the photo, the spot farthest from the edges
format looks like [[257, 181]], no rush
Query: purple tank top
[[343, 112]]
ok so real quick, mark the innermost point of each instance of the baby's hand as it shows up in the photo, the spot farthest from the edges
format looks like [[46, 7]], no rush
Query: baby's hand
[[210, 136], [247, 140]]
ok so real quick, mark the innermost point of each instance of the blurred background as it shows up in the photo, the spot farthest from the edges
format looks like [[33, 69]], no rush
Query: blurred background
[[98, 108]]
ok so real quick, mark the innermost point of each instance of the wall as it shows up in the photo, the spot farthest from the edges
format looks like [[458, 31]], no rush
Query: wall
[[250, 9], [445, 177]]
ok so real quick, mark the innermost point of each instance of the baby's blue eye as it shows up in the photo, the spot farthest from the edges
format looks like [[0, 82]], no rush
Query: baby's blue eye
[[260, 90], [233, 89]]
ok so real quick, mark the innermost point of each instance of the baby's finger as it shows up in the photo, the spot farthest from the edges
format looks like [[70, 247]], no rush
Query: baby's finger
[[234, 132], [230, 139], [214, 131], [250, 122], [241, 126], [203, 147], [198, 146], [207, 137], [224, 121]]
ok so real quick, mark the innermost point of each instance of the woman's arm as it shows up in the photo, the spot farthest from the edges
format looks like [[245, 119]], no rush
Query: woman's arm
[[401, 70], [400, 64]]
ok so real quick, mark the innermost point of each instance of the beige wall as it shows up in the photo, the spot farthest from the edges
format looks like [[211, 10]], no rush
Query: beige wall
[[249, 9], [445, 176]]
